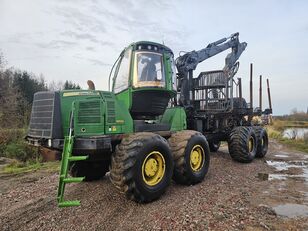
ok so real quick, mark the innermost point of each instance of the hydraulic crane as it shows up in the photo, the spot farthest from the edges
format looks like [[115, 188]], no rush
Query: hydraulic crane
[[188, 62]]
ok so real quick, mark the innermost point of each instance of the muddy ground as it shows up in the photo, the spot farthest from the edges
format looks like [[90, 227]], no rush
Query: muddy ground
[[270, 195]]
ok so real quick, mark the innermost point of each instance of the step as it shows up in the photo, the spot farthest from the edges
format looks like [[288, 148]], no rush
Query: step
[[73, 179], [68, 203], [77, 158]]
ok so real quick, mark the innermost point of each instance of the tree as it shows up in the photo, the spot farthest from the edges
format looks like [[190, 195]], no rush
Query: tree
[[55, 86], [9, 101], [70, 85], [28, 84], [1, 61], [17, 89]]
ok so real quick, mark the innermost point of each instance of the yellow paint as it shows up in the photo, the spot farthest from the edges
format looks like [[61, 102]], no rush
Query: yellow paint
[[153, 168], [197, 157], [251, 144], [77, 93]]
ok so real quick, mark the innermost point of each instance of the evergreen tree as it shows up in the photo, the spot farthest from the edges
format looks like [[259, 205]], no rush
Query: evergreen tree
[[70, 85]]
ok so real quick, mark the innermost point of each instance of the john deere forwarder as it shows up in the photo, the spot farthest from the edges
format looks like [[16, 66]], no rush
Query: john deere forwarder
[[155, 125]]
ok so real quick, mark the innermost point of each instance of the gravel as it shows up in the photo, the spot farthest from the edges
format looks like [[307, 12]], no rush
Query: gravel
[[231, 197]]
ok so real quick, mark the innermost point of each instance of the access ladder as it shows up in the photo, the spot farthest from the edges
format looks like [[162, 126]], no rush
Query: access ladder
[[67, 158]]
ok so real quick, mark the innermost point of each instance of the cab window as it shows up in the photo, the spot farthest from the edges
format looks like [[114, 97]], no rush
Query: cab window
[[149, 70], [122, 73]]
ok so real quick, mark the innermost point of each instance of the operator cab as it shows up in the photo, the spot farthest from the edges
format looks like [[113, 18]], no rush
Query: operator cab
[[145, 79]]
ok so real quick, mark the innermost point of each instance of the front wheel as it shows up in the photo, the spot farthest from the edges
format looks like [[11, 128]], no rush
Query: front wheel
[[191, 155], [142, 166]]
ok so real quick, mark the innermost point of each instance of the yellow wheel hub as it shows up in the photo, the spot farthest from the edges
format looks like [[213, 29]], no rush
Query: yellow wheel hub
[[250, 144], [153, 168], [197, 157]]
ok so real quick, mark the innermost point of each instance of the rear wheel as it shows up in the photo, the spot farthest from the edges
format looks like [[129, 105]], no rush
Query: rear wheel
[[242, 144], [89, 169], [142, 166], [214, 146], [191, 156], [262, 141]]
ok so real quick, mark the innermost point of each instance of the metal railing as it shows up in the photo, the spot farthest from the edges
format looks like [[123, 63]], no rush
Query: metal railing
[[211, 91]]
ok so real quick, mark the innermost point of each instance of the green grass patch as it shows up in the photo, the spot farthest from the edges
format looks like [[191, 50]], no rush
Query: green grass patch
[[21, 151], [13, 146], [17, 167]]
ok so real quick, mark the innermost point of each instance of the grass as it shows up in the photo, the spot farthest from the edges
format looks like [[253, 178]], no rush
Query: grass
[[13, 146], [17, 167], [297, 144], [26, 158], [280, 125]]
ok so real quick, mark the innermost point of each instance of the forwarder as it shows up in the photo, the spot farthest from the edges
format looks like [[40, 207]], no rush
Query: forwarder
[[153, 126]]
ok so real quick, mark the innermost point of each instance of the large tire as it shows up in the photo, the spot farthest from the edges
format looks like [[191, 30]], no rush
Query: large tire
[[214, 146], [262, 141], [242, 144], [191, 156], [142, 166], [89, 169]]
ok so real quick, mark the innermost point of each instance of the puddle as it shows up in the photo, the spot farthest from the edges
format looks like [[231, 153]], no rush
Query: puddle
[[284, 166], [281, 156], [277, 176], [297, 171], [291, 210], [295, 133]]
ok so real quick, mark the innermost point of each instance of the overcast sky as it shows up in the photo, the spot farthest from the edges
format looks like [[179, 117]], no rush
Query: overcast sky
[[80, 40]]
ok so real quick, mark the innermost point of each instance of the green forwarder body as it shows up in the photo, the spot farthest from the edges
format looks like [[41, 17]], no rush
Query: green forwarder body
[[150, 127], [130, 131], [99, 118]]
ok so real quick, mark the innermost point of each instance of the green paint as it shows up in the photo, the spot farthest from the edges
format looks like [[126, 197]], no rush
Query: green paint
[[126, 94], [66, 100], [176, 117], [66, 159], [98, 113], [168, 70], [125, 97]]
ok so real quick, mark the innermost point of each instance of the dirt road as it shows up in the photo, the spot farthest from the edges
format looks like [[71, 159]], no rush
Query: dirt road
[[270, 195]]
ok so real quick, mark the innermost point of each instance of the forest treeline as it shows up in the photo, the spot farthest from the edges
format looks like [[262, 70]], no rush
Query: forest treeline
[[17, 88]]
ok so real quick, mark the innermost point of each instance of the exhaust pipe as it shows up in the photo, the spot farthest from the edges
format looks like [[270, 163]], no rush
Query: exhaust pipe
[[260, 93], [251, 99]]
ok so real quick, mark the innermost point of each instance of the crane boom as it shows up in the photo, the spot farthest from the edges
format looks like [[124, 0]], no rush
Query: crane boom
[[189, 61]]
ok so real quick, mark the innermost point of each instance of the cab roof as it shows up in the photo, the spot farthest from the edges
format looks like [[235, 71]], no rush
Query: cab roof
[[152, 46]]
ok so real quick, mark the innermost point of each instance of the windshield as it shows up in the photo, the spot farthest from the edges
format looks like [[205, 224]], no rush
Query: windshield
[[149, 70]]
